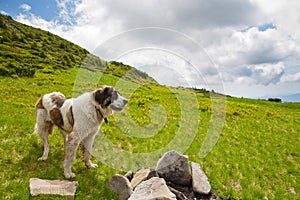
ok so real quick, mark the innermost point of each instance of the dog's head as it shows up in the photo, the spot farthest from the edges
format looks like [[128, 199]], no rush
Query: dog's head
[[109, 97]]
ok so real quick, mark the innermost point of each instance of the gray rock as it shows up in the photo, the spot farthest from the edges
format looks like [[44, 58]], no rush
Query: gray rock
[[139, 176], [129, 175], [142, 175], [200, 181], [120, 185], [179, 195], [153, 173], [56, 187], [174, 167], [186, 190], [152, 189]]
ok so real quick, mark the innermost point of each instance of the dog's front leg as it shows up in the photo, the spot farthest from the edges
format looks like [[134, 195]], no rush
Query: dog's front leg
[[71, 145], [87, 146]]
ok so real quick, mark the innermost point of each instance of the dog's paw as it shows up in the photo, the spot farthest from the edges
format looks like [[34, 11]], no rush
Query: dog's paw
[[69, 175], [93, 165], [43, 158], [89, 164]]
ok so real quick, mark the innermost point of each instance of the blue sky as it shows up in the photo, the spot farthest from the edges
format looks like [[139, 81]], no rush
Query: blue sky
[[251, 47], [46, 9]]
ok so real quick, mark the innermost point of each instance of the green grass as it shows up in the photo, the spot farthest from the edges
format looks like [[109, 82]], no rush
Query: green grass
[[257, 154]]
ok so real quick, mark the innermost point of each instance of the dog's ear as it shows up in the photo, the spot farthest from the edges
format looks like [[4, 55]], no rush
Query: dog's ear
[[102, 94], [99, 97]]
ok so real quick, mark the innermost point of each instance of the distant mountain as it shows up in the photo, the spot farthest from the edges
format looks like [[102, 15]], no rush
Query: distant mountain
[[25, 50], [284, 97], [291, 98]]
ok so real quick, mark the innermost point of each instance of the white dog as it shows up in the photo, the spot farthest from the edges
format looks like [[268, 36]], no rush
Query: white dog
[[79, 120]]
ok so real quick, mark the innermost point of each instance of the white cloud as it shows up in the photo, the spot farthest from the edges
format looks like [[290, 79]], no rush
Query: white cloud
[[264, 74], [253, 56], [254, 47], [285, 14], [67, 11], [3, 12], [25, 7], [35, 21], [291, 78], [166, 67], [181, 15]]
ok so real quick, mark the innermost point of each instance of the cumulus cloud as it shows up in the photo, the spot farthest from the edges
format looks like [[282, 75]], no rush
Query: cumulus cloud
[[36, 21], [253, 56], [179, 14], [3, 12], [264, 74], [284, 14], [291, 78], [25, 7], [254, 47], [67, 12], [168, 68]]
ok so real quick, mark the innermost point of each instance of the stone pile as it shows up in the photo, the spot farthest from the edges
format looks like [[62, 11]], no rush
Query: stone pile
[[174, 178]]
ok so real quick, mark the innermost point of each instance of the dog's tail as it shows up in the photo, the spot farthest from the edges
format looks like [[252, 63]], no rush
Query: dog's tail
[[40, 115]]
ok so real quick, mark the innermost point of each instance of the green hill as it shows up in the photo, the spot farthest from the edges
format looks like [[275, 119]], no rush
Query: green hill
[[24, 50], [256, 156]]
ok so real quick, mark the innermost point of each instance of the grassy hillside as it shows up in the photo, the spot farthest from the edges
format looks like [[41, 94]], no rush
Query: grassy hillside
[[24, 50], [257, 155]]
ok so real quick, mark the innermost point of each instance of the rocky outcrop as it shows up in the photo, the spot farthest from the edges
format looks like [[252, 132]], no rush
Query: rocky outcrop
[[174, 178]]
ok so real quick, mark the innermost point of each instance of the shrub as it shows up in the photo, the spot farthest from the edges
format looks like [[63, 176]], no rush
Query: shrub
[[274, 99], [2, 24], [4, 71]]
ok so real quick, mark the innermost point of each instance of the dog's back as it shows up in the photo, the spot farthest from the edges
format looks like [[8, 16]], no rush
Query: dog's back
[[45, 106]]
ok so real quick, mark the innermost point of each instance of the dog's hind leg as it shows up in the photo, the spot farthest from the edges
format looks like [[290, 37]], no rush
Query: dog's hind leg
[[43, 128], [48, 129], [86, 147]]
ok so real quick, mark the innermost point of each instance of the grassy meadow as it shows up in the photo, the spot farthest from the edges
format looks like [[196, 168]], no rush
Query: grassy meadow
[[257, 155]]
